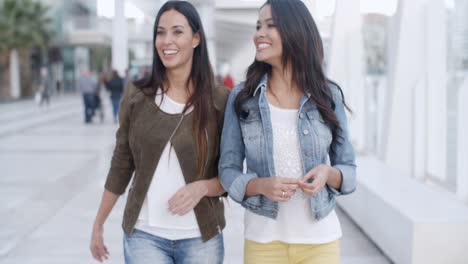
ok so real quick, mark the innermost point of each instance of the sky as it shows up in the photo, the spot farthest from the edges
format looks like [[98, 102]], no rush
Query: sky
[[106, 8], [324, 7]]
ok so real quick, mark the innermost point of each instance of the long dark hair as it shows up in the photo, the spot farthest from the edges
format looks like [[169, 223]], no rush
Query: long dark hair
[[201, 77], [303, 51]]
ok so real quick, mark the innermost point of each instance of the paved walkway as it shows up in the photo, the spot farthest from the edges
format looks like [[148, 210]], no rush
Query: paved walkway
[[51, 181]]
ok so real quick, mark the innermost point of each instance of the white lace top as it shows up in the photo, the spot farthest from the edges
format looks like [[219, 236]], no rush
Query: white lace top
[[294, 223]]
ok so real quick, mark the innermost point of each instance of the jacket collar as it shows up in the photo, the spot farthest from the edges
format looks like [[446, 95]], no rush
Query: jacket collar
[[262, 86]]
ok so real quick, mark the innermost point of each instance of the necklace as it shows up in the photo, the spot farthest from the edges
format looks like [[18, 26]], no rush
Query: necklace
[[273, 95], [289, 102]]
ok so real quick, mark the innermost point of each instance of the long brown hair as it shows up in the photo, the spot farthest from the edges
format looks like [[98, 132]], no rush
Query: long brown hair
[[201, 77], [303, 50]]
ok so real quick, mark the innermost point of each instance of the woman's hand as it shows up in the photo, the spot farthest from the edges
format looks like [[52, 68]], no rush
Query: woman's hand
[[187, 197], [98, 249], [320, 175], [278, 189]]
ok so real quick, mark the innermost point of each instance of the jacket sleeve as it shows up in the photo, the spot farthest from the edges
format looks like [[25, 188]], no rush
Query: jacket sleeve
[[232, 178], [342, 155], [122, 163], [221, 97]]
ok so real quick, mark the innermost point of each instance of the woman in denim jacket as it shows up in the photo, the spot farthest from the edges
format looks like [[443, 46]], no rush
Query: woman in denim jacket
[[288, 122]]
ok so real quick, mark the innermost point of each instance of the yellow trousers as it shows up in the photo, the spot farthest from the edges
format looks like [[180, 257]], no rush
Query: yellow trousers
[[282, 253]]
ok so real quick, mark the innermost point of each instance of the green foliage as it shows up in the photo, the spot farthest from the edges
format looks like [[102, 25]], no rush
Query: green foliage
[[100, 58], [23, 24]]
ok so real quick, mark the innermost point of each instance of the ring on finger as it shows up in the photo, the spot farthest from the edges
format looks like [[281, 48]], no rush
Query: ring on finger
[[282, 194]]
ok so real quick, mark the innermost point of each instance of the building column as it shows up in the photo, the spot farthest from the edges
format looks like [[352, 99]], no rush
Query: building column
[[417, 90], [206, 9], [81, 60], [312, 6], [346, 66], [119, 38], [462, 142], [437, 113], [15, 79], [240, 60]]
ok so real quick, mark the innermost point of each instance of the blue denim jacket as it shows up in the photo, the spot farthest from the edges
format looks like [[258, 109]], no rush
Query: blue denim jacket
[[250, 136]]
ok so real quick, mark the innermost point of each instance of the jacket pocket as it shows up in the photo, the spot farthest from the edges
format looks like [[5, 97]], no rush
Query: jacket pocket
[[252, 133], [251, 125]]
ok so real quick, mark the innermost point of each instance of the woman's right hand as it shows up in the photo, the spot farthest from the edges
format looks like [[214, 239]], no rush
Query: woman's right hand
[[278, 189], [98, 249]]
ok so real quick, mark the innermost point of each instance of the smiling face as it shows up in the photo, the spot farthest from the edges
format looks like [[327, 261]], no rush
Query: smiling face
[[267, 38], [175, 40]]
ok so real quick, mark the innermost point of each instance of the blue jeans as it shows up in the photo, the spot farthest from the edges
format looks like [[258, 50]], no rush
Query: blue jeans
[[144, 248], [115, 106], [89, 100]]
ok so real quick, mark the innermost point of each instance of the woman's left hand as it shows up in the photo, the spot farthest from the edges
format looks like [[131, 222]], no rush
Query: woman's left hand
[[187, 198], [320, 175]]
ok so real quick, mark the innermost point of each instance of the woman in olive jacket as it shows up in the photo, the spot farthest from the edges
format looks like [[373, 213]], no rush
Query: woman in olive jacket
[[167, 147]]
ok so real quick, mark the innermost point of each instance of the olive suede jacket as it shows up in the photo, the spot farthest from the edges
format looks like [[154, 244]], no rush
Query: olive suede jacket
[[140, 140]]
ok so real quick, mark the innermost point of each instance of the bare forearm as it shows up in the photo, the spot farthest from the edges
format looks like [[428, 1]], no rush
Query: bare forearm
[[213, 187], [254, 187], [334, 178], [107, 203]]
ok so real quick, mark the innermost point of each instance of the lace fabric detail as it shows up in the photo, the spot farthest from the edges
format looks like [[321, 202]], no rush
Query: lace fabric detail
[[286, 152]]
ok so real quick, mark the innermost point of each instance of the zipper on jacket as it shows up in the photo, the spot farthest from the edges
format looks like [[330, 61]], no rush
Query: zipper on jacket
[[210, 202], [207, 154]]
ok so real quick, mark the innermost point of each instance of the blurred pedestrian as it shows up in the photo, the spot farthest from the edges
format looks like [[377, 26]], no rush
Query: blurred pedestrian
[[99, 108], [127, 78], [45, 87], [58, 86], [228, 81], [115, 86], [87, 85], [219, 79]]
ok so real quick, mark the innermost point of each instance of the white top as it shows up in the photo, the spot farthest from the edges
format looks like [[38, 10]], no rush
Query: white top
[[294, 223], [155, 217]]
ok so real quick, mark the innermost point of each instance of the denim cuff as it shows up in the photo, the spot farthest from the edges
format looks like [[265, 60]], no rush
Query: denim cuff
[[239, 185], [347, 183]]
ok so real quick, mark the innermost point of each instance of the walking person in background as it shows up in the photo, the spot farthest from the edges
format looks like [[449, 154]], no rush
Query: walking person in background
[[45, 87], [115, 86], [87, 85], [58, 87], [228, 81], [99, 109], [167, 146], [127, 78], [287, 120]]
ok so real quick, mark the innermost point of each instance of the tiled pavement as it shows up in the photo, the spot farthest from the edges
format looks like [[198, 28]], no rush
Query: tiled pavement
[[53, 169]]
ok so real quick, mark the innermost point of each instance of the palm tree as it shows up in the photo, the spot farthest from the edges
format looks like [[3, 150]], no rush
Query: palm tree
[[24, 24]]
